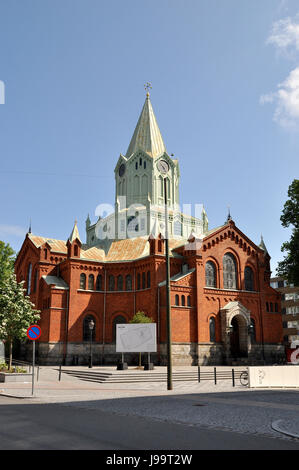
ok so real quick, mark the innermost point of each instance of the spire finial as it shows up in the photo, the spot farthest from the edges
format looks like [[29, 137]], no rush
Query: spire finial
[[229, 217], [147, 86], [29, 230]]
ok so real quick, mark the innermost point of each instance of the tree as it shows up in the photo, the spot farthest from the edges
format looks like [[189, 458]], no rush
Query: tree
[[17, 312], [141, 317], [7, 259], [289, 267]]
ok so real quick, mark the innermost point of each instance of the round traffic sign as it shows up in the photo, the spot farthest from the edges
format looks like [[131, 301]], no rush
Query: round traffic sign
[[33, 332]]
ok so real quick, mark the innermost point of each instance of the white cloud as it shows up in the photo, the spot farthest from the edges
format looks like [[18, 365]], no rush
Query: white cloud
[[14, 230], [286, 100], [285, 34]]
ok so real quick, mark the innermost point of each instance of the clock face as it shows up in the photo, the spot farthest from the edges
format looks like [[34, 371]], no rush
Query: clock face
[[163, 166], [122, 169]]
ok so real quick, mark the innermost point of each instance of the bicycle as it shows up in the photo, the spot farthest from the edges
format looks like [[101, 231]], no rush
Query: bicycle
[[244, 378]]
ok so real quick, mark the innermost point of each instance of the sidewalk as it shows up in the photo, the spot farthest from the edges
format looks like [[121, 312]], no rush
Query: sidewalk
[[273, 413]]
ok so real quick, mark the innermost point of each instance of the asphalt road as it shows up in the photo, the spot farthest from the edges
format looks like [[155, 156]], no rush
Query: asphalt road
[[25, 425]]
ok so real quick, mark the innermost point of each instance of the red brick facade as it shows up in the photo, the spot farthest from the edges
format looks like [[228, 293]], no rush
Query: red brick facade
[[64, 306]]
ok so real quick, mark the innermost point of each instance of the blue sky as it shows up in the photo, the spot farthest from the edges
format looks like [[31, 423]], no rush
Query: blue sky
[[225, 81]]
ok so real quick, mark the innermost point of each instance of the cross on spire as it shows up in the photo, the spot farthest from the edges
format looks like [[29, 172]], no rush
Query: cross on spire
[[147, 86]]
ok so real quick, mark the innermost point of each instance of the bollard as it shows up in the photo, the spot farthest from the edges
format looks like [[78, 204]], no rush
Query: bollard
[[198, 373], [233, 377], [215, 376], [59, 376], [37, 374]]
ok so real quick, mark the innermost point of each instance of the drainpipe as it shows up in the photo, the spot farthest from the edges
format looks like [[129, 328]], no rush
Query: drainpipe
[[66, 327], [158, 326], [134, 287], [261, 314], [104, 317]]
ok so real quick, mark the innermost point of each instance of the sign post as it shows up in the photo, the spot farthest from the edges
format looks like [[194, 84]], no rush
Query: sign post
[[33, 333]]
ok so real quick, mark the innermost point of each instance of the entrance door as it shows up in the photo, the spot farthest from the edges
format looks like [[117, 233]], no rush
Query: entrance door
[[235, 338]]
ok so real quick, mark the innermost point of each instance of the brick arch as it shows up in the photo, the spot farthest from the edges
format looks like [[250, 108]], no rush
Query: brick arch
[[255, 276], [217, 268], [238, 262], [93, 314]]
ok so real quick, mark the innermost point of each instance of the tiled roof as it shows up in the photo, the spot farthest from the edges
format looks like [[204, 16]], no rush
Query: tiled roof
[[120, 250], [93, 253], [128, 249], [58, 246]]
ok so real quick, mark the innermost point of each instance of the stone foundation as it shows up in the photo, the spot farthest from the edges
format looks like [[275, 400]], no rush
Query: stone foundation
[[183, 354]]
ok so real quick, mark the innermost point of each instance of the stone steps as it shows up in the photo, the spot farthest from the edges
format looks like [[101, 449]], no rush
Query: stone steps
[[130, 377], [147, 376]]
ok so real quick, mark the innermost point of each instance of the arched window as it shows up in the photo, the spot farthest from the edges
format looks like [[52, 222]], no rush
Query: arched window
[[267, 306], [120, 282], [148, 279], [212, 327], [210, 274], [117, 320], [183, 300], [138, 281], [128, 282], [45, 253], [248, 276], [75, 250], [87, 332], [91, 282], [29, 272], [189, 301], [143, 281], [82, 281], [111, 282], [276, 307], [99, 282], [271, 307], [160, 246], [229, 272], [252, 331], [177, 300]]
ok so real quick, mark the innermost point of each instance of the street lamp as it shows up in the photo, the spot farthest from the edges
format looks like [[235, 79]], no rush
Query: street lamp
[[91, 327], [163, 167]]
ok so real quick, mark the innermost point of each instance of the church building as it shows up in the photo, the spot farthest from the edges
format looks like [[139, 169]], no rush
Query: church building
[[223, 309]]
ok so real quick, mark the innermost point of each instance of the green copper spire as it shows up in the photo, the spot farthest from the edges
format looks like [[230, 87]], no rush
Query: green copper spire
[[262, 245], [147, 135]]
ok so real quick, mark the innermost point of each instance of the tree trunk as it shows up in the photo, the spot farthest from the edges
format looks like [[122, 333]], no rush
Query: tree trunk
[[10, 354]]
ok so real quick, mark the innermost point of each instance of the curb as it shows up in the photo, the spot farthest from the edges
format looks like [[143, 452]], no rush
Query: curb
[[14, 396], [276, 427]]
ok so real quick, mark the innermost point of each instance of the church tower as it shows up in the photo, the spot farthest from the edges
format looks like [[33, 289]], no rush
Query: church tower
[[139, 189]]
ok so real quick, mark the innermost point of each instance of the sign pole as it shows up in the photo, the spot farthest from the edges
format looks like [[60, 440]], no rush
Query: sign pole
[[33, 362], [33, 333]]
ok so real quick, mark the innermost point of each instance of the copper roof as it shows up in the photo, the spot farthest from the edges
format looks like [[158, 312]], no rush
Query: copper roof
[[120, 250]]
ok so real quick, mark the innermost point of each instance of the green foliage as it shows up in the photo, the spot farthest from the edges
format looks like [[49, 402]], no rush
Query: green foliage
[[140, 317], [7, 259], [289, 267], [17, 312], [5, 368]]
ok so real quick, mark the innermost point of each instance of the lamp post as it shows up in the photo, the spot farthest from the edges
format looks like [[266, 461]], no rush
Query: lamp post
[[91, 327], [163, 167]]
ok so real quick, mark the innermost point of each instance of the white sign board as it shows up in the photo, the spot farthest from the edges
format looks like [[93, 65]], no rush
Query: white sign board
[[136, 337], [274, 376]]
